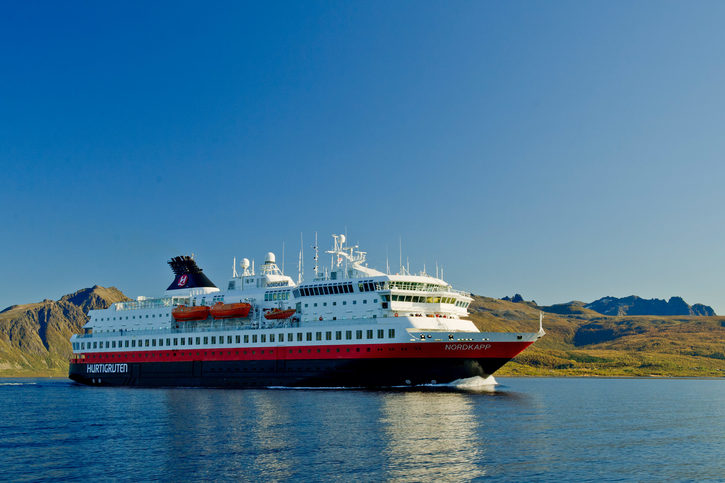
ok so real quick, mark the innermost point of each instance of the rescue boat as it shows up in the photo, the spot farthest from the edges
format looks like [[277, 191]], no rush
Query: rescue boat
[[279, 314], [229, 311], [183, 313]]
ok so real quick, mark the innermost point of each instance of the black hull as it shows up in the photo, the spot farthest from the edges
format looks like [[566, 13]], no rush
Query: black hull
[[367, 373]]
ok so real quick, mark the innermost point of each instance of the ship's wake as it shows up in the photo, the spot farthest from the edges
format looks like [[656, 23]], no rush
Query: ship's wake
[[476, 383]]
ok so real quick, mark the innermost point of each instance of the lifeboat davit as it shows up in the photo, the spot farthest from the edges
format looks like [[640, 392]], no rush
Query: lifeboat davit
[[279, 314], [182, 312], [230, 311]]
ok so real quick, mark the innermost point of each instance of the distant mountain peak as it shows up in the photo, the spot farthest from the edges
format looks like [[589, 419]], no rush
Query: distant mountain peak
[[635, 305]]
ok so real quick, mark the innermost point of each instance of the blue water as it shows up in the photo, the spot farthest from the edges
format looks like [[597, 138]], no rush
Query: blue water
[[526, 430]]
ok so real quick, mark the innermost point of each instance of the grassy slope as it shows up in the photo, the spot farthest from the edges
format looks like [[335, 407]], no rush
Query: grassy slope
[[586, 344], [579, 342]]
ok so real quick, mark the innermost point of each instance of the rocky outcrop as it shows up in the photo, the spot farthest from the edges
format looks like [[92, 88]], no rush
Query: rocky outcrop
[[35, 337], [634, 305]]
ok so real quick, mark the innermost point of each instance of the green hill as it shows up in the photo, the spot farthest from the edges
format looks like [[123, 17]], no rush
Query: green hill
[[585, 343]]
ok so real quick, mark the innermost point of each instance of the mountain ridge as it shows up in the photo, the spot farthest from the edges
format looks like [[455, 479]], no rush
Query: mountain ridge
[[34, 337]]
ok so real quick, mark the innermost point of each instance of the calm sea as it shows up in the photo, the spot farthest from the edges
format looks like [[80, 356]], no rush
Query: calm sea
[[524, 430]]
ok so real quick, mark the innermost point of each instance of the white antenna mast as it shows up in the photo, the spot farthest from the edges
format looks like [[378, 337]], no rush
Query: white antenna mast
[[300, 268], [282, 257], [314, 247], [387, 262], [400, 240], [234, 268]]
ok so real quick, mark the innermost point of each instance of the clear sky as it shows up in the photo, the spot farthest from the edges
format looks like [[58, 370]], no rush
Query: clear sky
[[563, 150]]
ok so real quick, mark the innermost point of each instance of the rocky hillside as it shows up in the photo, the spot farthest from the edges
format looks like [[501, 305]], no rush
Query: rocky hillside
[[580, 341], [34, 338], [634, 305]]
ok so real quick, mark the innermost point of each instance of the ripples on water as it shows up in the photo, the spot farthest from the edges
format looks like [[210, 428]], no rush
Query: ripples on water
[[524, 430]]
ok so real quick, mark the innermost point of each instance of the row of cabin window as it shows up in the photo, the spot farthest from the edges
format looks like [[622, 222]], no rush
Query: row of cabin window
[[269, 296], [421, 286], [133, 317], [370, 286], [329, 289], [423, 300], [344, 302], [255, 338]]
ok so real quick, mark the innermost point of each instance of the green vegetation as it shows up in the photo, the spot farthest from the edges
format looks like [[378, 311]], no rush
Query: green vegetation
[[586, 343]]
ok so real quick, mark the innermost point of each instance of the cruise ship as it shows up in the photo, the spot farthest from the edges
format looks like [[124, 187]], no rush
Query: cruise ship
[[349, 326]]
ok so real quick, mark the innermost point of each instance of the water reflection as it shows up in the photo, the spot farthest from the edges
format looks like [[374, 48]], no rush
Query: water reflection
[[247, 429], [431, 436]]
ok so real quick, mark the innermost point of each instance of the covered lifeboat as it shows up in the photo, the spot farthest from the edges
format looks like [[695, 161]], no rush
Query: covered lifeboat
[[198, 312], [279, 314], [229, 311]]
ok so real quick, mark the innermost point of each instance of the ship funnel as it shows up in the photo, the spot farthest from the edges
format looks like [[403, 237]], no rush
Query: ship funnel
[[187, 274]]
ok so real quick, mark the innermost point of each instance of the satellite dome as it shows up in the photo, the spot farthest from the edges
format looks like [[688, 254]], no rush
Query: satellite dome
[[342, 239], [270, 258], [244, 263]]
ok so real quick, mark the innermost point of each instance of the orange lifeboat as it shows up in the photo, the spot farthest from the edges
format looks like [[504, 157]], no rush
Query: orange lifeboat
[[182, 312], [279, 314], [230, 311]]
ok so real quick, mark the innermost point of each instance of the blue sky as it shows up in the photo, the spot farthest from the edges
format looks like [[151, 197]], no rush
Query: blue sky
[[563, 150]]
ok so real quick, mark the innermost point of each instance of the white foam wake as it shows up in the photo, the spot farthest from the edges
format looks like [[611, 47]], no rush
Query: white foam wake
[[475, 383]]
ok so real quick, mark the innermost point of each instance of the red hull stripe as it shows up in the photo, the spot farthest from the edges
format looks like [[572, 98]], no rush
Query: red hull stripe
[[441, 350]]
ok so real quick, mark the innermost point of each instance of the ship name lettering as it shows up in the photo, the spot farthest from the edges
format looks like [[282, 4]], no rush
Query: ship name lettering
[[467, 347], [106, 368]]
